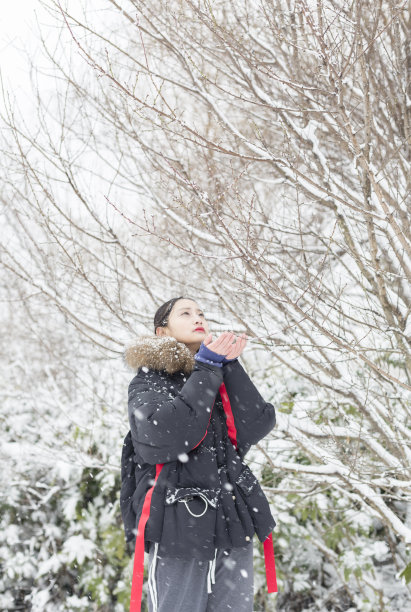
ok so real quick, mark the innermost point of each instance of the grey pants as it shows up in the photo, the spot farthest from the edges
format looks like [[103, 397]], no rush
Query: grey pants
[[181, 585]]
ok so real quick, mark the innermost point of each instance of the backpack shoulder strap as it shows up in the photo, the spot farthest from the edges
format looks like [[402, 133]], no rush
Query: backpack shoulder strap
[[128, 487]]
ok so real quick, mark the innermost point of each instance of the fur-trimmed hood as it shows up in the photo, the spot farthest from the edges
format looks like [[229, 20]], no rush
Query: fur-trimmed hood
[[159, 353]]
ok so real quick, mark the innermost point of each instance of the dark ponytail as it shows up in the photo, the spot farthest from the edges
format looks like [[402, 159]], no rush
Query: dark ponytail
[[163, 313]]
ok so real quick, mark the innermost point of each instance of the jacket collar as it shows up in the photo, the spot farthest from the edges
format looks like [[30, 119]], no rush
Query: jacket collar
[[159, 353]]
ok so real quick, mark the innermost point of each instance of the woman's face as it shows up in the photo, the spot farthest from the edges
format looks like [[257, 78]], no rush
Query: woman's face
[[185, 317]]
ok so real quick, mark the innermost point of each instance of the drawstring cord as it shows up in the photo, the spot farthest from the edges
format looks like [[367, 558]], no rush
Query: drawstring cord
[[152, 579], [203, 498], [211, 572]]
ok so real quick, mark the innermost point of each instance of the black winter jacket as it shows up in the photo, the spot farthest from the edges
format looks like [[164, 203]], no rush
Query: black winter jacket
[[205, 497]]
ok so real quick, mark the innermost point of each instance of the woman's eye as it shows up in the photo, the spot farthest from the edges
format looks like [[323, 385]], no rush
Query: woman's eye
[[189, 313]]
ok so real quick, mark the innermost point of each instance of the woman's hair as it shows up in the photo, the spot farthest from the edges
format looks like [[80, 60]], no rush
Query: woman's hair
[[163, 313]]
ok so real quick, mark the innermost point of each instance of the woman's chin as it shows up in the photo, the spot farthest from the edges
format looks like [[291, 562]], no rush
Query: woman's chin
[[198, 336]]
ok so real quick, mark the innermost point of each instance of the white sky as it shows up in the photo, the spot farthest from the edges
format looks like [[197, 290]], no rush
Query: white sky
[[19, 35], [17, 28], [22, 23]]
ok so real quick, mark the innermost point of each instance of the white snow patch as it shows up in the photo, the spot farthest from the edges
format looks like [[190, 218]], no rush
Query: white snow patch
[[183, 457], [78, 548], [379, 550]]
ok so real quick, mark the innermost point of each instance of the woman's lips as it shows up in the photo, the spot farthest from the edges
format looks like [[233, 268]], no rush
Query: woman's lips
[[199, 329]]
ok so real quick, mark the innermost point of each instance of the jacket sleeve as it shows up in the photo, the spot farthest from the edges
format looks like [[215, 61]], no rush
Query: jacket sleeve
[[253, 417], [163, 426]]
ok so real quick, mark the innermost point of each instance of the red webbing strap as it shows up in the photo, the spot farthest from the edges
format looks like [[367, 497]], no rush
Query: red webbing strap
[[138, 567], [232, 431], [268, 542], [270, 564]]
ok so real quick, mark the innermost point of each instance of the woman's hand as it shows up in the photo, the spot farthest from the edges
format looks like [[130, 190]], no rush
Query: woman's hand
[[224, 344]]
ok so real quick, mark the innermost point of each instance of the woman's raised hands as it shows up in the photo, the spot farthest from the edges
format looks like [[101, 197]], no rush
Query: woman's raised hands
[[227, 344]]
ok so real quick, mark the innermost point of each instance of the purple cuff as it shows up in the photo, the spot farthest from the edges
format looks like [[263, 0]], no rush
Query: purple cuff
[[205, 355]]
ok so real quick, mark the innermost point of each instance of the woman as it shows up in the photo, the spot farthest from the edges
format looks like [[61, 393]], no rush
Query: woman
[[194, 413]]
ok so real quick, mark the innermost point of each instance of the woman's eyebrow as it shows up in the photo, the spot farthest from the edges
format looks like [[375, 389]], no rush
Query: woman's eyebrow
[[189, 308]]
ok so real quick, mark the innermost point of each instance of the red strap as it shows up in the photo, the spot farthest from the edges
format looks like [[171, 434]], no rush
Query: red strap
[[268, 543], [232, 431], [270, 564], [138, 568]]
